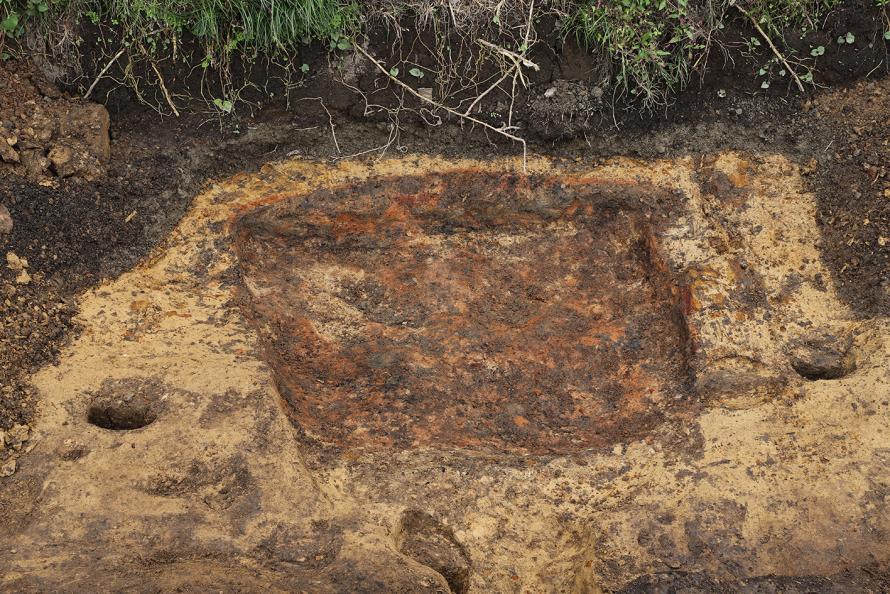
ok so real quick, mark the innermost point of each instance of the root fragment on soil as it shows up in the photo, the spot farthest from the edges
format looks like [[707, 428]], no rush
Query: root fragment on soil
[[164, 89], [103, 71]]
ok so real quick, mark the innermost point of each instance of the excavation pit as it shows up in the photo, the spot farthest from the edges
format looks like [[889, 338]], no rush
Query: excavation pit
[[469, 309], [127, 404]]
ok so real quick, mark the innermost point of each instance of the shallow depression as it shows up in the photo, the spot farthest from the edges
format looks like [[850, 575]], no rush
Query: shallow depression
[[124, 405], [468, 309], [120, 414]]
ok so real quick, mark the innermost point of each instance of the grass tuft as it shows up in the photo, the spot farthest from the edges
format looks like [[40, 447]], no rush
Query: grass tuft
[[654, 45], [221, 25]]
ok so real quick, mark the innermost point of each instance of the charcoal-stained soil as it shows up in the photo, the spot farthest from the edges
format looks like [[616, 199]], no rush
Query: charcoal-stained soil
[[470, 310]]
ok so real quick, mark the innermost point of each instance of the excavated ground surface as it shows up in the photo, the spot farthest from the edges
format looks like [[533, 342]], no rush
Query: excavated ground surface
[[469, 309], [167, 458]]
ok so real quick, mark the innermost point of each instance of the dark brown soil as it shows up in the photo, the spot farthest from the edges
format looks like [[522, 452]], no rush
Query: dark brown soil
[[852, 179]]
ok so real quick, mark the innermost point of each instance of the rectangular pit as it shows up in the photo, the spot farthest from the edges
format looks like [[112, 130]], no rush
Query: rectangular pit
[[467, 310]]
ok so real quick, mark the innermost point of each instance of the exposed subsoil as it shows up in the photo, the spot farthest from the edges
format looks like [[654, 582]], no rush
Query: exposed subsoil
[[78, 226]]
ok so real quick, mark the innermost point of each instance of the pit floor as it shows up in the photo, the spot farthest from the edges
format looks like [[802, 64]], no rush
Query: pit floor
[[469, 310]]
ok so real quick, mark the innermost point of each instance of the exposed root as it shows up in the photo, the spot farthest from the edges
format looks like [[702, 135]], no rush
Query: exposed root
[[103, 71], [164, 88], [330, 120]]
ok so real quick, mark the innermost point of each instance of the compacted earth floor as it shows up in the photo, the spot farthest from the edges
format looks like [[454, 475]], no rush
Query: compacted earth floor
[[657, 360]]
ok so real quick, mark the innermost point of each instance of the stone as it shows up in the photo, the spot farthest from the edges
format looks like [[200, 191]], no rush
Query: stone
[[18, 435], [13, 262], [36, 165], [7, 153], [89, 123], [75, 160], [5, 221], [61, 157], [8, 468]]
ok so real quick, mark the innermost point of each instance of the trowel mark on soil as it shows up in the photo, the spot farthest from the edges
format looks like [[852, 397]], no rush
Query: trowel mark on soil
[[468, 309]]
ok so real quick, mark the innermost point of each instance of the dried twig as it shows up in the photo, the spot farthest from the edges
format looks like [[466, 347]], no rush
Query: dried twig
[[103, 71], [773, 47], [164, 88], [512, 55]]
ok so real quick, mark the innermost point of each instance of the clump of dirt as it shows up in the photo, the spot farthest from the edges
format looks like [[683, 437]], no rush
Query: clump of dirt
[[46, 133]]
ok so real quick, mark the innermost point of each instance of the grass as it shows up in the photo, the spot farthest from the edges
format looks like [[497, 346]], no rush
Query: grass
[[653, 46], [221, 25], [265, 25], [145, 35], [801, 16]]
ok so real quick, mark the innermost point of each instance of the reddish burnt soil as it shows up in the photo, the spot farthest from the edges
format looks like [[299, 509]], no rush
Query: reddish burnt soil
[[468, 310]]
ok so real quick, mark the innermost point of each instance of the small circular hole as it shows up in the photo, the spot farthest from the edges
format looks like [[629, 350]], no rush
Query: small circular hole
[[122, 413]]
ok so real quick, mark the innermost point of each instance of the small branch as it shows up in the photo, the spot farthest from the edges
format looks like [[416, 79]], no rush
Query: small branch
[[103, 71], [454, 112], [773, 47], [512, 55], [164, 88], [479, 98]]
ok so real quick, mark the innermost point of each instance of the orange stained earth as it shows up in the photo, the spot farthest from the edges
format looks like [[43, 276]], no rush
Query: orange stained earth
[[471, 310]]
